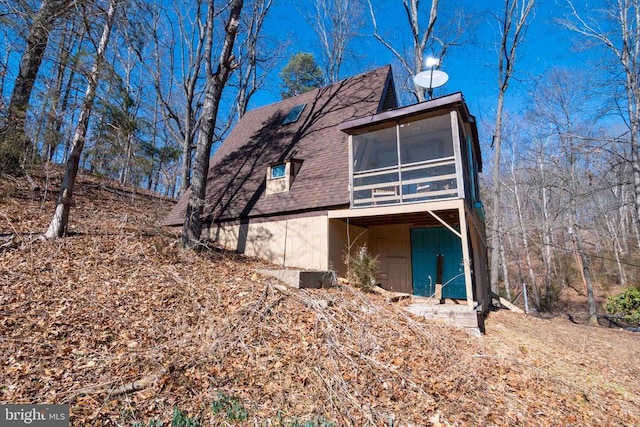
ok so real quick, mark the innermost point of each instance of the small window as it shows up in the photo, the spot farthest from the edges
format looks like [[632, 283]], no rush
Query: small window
[[294, 114], [278, 171]]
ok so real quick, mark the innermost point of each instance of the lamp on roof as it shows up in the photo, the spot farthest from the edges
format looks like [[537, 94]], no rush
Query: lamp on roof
[[431, 62], [431, 78]]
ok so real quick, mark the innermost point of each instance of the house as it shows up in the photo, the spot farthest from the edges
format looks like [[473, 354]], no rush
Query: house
[[300, 181]]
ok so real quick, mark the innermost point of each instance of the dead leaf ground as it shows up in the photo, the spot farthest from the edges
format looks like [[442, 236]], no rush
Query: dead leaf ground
[[121, 323]]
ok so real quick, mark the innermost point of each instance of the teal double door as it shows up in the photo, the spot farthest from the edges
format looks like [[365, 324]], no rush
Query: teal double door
[[436, 255]]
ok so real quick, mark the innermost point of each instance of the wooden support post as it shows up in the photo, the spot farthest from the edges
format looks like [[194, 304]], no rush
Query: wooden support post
[[466, 257], [439, 273]]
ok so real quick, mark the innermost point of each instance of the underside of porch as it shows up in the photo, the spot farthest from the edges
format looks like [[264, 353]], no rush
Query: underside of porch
[[422, 249]]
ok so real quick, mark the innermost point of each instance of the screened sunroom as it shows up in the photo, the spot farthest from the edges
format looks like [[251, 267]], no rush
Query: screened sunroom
[[413, 159]]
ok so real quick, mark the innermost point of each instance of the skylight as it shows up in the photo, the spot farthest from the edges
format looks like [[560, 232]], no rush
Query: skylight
[[294, 114]]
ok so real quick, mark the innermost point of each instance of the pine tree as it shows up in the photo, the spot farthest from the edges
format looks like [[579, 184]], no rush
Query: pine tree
[[301, 75]]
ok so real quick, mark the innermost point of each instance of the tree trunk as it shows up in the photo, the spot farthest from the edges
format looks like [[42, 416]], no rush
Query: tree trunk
[[621, 273], [58, 226], [623, 216], [513, 27], [615, 234], [496, 199], [586, 277], [216, 82], [546, 237], [187, 144], [505, 271], [525, 243], [14, 132]]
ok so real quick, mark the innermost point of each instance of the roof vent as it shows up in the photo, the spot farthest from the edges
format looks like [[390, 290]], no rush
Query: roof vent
[[294, 114]]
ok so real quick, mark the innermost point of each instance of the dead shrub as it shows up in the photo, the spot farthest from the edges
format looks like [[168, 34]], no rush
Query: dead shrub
[[362, 269]]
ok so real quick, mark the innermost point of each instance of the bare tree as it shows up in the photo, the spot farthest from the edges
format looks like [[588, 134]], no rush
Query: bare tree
[[178, 65], [9, 45], [617, 28], [516, 191], [59, 93], [562, 113], [425, 38], [543, 183], [253, 64], [216, 81], [513, 26], [336, 23], [60, 220], [13, 135], [613, 233], [186, 44]]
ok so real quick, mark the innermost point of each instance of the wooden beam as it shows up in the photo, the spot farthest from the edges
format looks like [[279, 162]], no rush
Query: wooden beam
[[395, 209], [443, 222], [507, 304], [457, 150]]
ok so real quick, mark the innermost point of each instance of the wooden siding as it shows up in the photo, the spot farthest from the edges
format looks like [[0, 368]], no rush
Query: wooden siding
[[389, 238], [391, 243], [291, 242]]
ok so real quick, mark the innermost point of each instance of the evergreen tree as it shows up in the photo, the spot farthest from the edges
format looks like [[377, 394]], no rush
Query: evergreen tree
[[301, 75]]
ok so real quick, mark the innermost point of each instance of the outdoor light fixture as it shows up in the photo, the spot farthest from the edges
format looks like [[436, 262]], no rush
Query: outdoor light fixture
[[431, 78], [431, 62]]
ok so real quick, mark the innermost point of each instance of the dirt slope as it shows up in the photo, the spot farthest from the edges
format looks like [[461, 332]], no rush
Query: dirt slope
[[124, 325]]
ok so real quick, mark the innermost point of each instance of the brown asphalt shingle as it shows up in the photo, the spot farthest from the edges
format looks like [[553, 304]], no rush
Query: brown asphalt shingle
[[236, 182]]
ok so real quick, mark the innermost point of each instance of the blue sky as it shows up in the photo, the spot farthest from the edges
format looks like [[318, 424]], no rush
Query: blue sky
[[471, 68]]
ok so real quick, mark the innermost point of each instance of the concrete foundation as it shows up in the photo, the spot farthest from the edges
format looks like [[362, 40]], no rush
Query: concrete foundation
[[302, 279], [452, 314]]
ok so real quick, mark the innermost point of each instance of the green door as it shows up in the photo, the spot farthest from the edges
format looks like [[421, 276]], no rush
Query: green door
[[433, 246]]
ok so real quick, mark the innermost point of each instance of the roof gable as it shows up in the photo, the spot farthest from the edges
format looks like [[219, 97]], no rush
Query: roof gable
[[236, 180], [389, 100]]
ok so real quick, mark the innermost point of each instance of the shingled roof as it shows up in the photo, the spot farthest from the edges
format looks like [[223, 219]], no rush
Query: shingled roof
[[236, 180]]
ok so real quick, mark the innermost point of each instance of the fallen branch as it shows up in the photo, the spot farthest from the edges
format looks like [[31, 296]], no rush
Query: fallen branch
[[134, 386], [390, 296], [127, 388], [9, 243], [32, 183]]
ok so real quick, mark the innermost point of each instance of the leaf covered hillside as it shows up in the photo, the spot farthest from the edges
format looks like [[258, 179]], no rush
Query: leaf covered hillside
[[124, 325]]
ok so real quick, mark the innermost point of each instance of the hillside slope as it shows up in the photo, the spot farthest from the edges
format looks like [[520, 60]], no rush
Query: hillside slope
[[121, 323]]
